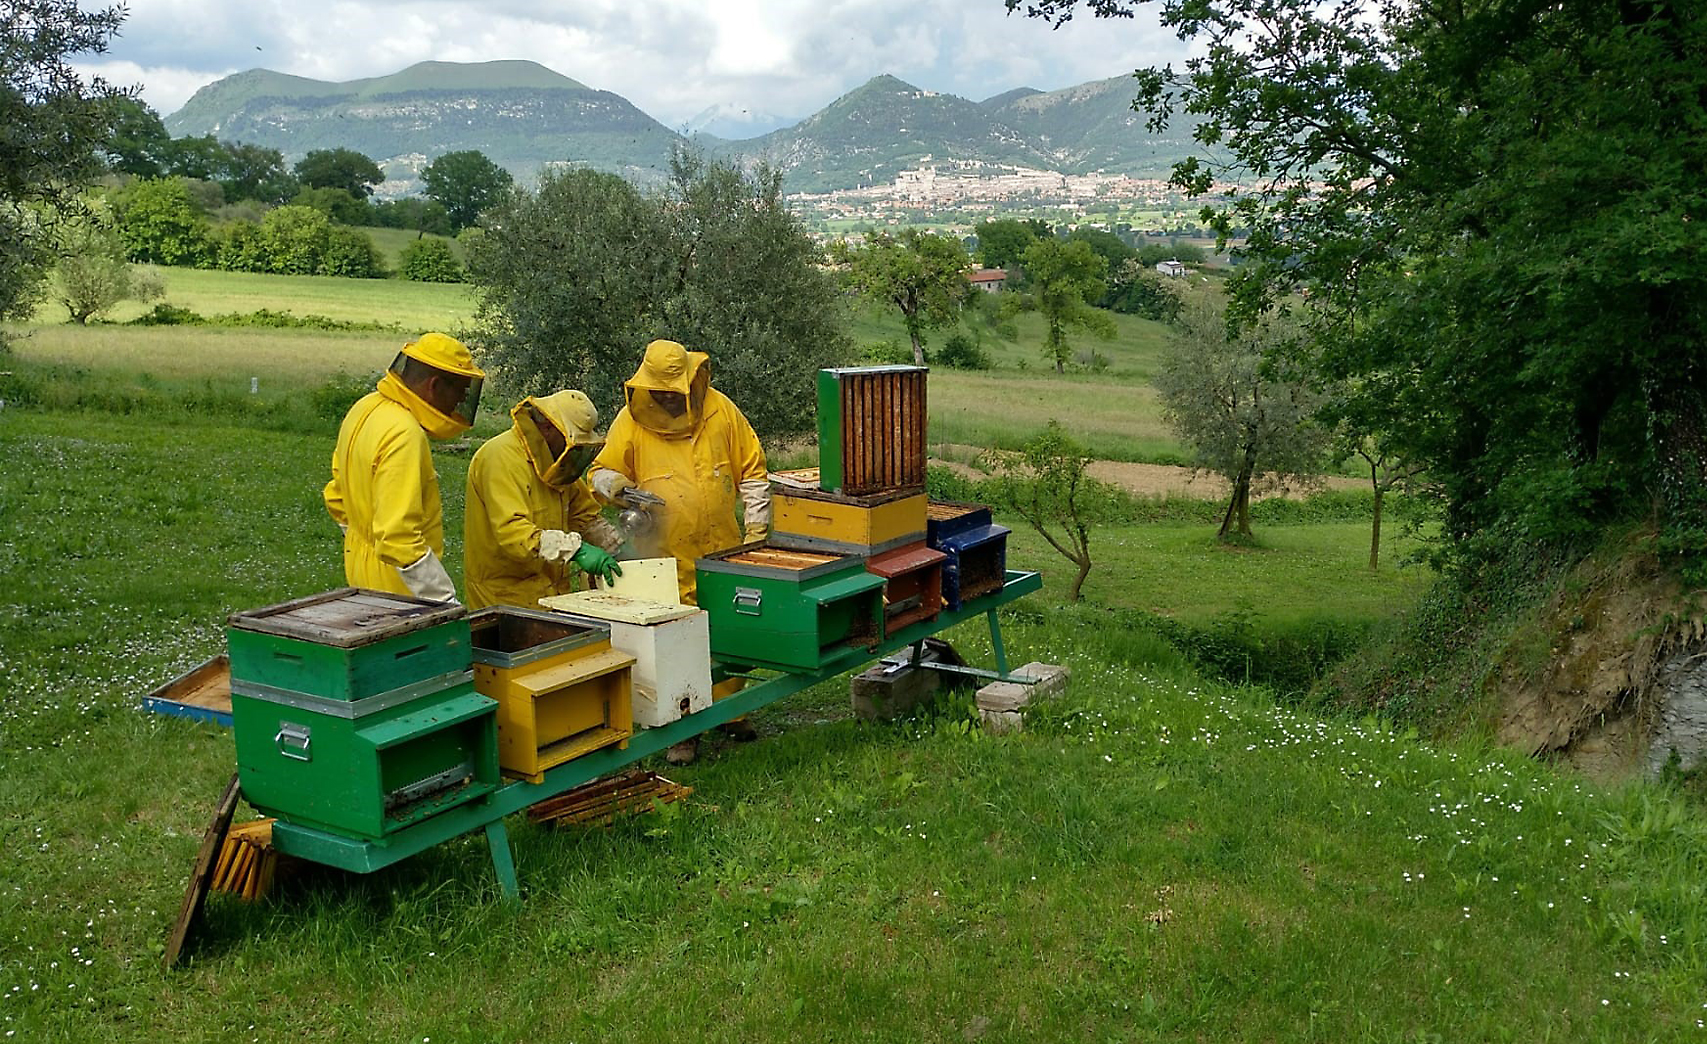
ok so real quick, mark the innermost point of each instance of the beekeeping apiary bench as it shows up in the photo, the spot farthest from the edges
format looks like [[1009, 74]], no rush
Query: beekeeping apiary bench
[[487, 814]]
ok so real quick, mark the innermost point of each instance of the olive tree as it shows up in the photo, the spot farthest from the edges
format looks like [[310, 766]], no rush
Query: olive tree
[[574, 278], [1241, 421], [54, 124], [92, 273], [921, 273]]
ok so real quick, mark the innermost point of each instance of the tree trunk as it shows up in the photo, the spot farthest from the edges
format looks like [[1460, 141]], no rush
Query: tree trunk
[[1238, 516], [1375, 531], [1079, 581], [918, 349]]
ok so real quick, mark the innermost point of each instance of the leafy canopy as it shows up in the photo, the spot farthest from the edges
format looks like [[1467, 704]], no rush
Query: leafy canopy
[[465, 183], [575, 278], [921, 273], [52, 126], [339, 168], [1497, 208]]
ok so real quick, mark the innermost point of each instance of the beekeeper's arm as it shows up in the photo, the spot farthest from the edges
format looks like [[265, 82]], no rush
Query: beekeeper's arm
[[333, 495], [753, 480], [399, 516]]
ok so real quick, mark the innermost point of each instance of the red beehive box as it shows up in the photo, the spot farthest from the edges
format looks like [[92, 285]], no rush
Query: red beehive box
[[914, 589]]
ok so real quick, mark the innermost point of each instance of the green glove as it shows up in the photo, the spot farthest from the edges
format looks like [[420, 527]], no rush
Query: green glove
[[594, 559]]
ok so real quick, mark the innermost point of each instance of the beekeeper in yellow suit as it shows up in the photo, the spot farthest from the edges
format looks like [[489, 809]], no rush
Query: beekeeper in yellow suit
[[384, 493], [530, 521], [682, 441]]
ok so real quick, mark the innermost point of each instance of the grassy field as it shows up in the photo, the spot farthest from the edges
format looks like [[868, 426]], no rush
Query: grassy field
[[1114, 413], [1159, 856], [412, 306], [391, 241], [1156, 858]]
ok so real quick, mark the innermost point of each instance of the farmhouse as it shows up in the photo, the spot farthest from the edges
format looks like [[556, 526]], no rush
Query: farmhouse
[[988, 280]]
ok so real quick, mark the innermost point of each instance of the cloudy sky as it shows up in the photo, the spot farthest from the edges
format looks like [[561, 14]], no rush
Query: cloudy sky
[[672, 58]]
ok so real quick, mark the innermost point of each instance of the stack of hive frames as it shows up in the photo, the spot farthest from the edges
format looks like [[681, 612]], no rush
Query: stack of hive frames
[[871, 429], [354, 711], [562, 691]]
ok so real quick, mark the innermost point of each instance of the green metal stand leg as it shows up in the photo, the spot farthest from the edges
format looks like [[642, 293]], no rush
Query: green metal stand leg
[[996, 643], [503, 864]]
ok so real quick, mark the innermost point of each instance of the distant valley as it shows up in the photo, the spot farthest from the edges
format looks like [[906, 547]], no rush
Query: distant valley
[[527, 117]]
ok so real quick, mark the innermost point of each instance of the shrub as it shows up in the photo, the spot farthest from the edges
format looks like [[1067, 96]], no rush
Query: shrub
[[429, 261], [159, 224], [295, 240], [241, 248], [963, 353], [351, 253], [889, 353], [335, 395]]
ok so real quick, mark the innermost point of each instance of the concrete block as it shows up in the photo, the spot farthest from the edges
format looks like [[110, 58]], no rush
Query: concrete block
[[997, 722], [881, 693], [1051, 679], [1003, 696]]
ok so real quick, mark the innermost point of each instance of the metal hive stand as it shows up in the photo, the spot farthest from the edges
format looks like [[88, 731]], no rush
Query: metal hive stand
[[488, 814]]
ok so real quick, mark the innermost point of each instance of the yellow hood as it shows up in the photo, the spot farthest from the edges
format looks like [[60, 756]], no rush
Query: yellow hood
[[437, 425], [571, 413], [669, 367]]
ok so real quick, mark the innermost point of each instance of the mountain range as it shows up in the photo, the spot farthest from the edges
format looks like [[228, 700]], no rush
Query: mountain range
[[526, 117]]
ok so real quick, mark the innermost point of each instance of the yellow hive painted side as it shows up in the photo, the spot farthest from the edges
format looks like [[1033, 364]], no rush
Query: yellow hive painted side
[[559, 708], [848, 523]]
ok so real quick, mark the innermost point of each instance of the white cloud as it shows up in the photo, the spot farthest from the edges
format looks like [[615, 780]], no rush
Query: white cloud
[[672, 58]]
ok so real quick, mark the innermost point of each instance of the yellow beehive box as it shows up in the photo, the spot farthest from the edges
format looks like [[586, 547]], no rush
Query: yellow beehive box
[[562, 691], [816, 521]]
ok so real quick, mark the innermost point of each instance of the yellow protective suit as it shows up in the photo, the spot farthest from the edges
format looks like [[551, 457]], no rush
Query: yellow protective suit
[[384, 491], [516, 491], [698, 462]]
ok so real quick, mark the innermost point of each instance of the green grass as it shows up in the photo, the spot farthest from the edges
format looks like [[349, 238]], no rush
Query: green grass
[[1114, 413], [223, 358], [415, 307], [1291, 574], [1155, 858], [391, 241]]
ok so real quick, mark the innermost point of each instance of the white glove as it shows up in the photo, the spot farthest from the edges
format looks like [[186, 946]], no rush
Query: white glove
[[608, 483], [427, 579], [557, 546]]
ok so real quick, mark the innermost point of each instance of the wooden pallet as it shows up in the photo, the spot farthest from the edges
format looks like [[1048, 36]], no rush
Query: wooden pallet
[[603, 800]]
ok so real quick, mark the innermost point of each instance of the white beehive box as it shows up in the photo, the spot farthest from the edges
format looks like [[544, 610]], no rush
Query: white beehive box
[[671, 646]]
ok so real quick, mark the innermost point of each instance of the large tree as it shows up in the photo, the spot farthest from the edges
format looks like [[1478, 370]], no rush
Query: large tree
[[920, 273], [1002, 242], [1062, 279], [576, 277], [54, 124], [339, 168], [139, 143], [465, 183], [1497, 207], [1240, 420]]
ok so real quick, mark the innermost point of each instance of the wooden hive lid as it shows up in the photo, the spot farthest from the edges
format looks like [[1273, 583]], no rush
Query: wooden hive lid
[[348, 617]]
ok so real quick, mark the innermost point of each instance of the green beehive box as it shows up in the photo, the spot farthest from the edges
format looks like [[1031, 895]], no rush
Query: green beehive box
[[348, 644], [367, 768], [787, 609]]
